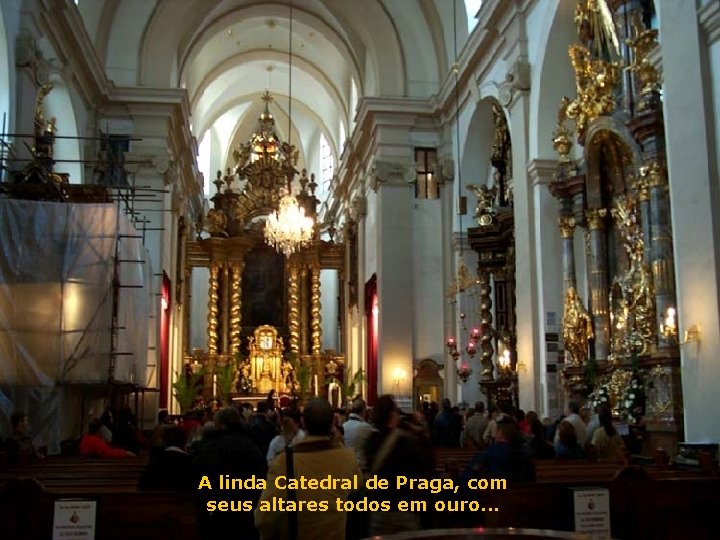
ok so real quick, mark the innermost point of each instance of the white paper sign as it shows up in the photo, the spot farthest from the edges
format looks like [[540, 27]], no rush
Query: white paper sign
[[74, 520], [404, 403], [592, 512]]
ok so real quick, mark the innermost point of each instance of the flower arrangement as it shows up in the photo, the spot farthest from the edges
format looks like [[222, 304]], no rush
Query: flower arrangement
[[600, 395], [634, 399]]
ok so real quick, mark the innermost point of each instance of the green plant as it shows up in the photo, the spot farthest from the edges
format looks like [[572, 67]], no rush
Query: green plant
[[185, 389], [303, 374], [350, 387], [224, 381]]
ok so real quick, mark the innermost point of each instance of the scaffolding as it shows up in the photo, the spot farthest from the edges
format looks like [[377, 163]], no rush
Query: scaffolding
[[76, 290]]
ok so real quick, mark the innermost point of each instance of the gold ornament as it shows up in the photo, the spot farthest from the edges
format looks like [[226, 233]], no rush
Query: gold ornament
[[577, 328]]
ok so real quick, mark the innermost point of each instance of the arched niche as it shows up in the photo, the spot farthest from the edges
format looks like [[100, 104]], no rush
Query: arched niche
[[58, 104], [611, 158], [476, 164]]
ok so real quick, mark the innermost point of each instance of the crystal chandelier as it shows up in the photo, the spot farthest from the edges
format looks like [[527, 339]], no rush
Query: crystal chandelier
[[288, 229]]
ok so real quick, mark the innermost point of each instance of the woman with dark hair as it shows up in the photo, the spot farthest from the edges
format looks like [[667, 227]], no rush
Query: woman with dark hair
[[567, 446], [538, 445], [607, 442]]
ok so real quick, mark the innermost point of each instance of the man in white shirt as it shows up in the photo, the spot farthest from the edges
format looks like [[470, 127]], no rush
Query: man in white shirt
[[577, 422], [357, 431]]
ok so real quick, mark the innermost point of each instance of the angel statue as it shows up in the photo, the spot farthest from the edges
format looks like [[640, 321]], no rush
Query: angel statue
[[577, 328], [485, 207]]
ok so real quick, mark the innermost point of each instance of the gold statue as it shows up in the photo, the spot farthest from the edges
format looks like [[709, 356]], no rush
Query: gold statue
[[632, 298], [217, 221], [501, 156], [40, 123], [485, 207], [266, 361], [596, 29], [562, 142], [577, 328], [642, 44]]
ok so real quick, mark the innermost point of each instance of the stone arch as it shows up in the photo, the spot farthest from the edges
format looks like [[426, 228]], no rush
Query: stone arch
[[58, 104], [477, 145], [122, 58], [610, 155], [5, 86], [554, 77]]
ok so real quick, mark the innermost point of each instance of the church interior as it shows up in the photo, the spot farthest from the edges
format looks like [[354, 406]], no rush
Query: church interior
[[206, 203]]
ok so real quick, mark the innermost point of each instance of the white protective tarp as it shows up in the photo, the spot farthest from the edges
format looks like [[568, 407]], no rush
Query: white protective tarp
[[56, 304]]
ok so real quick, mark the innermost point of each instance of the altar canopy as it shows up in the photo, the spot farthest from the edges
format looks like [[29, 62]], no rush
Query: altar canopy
[[56, 309]]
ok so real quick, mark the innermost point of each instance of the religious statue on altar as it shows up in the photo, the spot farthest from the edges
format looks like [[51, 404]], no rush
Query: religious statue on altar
[[267, 369], [577, 328]]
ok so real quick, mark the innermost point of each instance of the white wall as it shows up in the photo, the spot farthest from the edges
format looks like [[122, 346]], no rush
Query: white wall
[[689, 130], [329, 290]]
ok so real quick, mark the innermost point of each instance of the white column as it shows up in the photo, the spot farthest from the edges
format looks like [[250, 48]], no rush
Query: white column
[[526, 268], [548, 249], [693, 190], [395, 284]]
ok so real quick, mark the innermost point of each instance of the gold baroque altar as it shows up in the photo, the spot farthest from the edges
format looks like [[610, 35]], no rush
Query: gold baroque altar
[[264, 311]]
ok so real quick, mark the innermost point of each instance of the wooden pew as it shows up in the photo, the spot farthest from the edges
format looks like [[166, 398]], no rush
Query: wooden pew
[[640, 507], [78, 472], [26, 512]]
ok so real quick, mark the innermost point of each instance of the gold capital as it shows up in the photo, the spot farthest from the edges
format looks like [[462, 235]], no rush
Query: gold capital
[[567, 226], [596, 218]]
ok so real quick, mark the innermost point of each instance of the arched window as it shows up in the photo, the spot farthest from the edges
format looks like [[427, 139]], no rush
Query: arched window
[[472, 7], [353, 102], [204, 161], [327, 164]]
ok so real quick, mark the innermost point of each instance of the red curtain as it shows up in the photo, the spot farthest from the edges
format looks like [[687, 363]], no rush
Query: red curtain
[[165, 302], [371, 315]]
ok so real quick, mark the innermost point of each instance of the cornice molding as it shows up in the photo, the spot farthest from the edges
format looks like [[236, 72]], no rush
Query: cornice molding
[[541, 172]]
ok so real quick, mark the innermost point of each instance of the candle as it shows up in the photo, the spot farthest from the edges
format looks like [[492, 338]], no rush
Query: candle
[[316, 385]]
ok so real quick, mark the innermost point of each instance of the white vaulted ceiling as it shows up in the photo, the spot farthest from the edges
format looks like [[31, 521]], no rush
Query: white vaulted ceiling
[[226, 53]]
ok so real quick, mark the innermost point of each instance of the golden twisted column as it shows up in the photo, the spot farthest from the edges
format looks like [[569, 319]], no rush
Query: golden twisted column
[[225, 311], [315, 314], [235, 306], [213, 310], [304, 311], [486, 329], [294, 308]]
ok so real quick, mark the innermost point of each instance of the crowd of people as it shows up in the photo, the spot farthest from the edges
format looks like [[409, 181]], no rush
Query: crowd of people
[[317, 441]]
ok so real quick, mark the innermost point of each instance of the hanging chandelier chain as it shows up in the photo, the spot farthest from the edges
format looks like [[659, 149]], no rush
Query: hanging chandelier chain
[[288, 229], [290, 78], [456, 69]]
